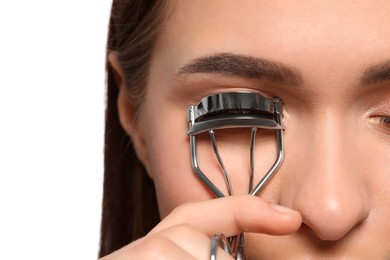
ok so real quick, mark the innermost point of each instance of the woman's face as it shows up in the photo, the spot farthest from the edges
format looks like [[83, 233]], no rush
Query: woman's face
[[333, 60]]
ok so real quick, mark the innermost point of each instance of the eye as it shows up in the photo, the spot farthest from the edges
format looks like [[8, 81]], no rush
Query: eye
[[385, 120]]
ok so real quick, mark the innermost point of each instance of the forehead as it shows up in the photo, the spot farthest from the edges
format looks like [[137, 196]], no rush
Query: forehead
[[293, 32]]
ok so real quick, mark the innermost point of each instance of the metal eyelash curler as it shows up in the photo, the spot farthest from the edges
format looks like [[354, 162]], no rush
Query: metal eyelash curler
[[234, 110]]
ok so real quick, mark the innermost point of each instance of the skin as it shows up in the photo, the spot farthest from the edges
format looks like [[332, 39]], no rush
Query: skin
[[335, 175]]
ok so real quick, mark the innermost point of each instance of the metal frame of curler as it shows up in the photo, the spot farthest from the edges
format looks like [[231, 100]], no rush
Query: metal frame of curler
[[234, 110]]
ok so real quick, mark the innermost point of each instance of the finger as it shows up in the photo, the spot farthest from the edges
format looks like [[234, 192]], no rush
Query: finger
[[154, 247], [233, 215], [192, 241]]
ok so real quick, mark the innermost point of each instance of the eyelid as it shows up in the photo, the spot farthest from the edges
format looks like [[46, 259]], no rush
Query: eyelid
[[380, 110], [194, 88]]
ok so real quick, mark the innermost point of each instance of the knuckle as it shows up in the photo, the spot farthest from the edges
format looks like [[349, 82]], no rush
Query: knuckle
[[185, 231], [157, 247], [182, 232], [183, 208]]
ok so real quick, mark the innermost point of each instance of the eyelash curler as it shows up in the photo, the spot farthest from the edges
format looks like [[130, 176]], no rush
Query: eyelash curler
[[226, 111]]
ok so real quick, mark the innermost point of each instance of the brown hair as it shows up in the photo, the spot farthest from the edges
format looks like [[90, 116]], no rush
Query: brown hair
[[129, 198]]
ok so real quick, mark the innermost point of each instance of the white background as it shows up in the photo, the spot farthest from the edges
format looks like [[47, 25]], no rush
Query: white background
[[52, 87]]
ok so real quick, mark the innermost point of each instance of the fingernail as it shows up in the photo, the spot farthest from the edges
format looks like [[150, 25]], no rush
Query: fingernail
[[282, 209]]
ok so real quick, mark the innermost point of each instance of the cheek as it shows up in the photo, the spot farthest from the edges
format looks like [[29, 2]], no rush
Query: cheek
[[169, 156], [372, 158]]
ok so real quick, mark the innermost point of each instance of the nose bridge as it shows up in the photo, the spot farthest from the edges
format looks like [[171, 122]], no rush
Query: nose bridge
[[327, 189]]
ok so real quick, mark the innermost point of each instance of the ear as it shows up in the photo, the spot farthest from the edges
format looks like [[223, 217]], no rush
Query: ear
[[126, 112]]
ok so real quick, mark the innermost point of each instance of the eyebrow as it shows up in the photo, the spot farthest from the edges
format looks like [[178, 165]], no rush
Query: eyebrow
[[243, 66], [377, 73]]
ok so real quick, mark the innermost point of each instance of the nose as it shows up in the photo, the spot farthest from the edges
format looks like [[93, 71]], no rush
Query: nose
[[325, 183]]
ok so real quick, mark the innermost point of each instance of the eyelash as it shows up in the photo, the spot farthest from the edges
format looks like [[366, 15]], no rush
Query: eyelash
[[385, 120]]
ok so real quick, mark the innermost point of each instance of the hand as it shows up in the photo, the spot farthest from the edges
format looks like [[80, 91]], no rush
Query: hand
[[186, 232]]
